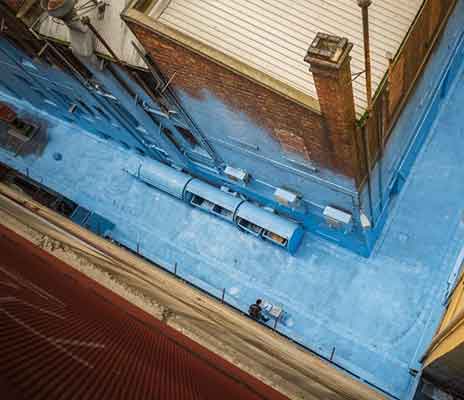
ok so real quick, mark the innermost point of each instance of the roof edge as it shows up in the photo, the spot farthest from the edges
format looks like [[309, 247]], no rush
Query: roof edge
[[131, 14]]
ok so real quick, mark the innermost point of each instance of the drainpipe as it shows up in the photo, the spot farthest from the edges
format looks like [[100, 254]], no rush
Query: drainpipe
[[364, 4]]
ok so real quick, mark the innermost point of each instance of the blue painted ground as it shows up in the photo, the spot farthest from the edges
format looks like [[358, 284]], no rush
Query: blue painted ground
[[379, 313]]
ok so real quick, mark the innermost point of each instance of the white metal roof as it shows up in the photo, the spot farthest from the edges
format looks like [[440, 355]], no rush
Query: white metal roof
[[272, 36]]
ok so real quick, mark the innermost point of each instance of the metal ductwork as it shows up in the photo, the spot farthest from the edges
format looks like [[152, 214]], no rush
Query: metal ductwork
[[81, 37], [248, 217]]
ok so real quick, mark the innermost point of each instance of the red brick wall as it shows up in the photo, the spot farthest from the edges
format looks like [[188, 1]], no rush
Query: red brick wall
[[335, 91], [295, 127]]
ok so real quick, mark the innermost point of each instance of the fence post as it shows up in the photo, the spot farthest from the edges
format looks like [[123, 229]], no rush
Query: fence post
[[332, 354], [223, 295], [175, 268]]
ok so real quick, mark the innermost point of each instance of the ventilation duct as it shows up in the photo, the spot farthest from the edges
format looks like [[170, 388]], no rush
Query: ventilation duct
[[246, 216], [81, 38]]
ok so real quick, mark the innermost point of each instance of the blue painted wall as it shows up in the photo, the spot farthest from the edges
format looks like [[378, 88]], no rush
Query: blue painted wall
[[413, 126], [112, 114]]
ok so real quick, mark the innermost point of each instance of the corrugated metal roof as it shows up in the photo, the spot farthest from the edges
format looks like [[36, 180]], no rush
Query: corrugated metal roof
[[273, 36], [63, 336]]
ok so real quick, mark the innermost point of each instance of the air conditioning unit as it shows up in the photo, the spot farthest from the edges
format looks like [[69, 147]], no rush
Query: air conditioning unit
[[286, 197], [337, 218], [237, 174]]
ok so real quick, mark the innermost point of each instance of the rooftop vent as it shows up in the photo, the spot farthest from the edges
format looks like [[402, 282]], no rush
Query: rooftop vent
[[286, 197], [337, 218], [237, 174]]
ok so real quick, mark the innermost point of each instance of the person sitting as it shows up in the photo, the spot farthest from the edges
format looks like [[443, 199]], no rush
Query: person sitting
[[255, 311]]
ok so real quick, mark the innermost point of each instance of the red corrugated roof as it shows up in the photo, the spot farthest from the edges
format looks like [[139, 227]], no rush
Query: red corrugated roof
[[63, 336]]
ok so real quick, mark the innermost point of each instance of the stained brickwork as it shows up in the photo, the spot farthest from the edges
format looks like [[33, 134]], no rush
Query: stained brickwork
[[333, 83], [292, 143], [297, 128]]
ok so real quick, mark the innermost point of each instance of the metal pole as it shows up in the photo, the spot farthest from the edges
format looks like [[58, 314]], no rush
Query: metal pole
[[332, 354], [364, 4], [223, 295], [367, 159], [275, 323]]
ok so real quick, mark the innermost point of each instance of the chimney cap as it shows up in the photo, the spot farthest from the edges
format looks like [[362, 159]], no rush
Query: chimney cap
[[328, 50], [364, 3]]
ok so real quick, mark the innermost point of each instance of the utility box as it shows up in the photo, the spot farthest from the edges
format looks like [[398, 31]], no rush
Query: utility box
[[338, 219], [286, 197], [237, 174]]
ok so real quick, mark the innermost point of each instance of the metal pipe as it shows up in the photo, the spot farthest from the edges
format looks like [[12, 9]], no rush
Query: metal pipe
[[364, 4], [367, 157], [380, 144]]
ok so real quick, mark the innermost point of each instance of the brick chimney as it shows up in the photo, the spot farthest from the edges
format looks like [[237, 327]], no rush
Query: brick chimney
[[329, 59]]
